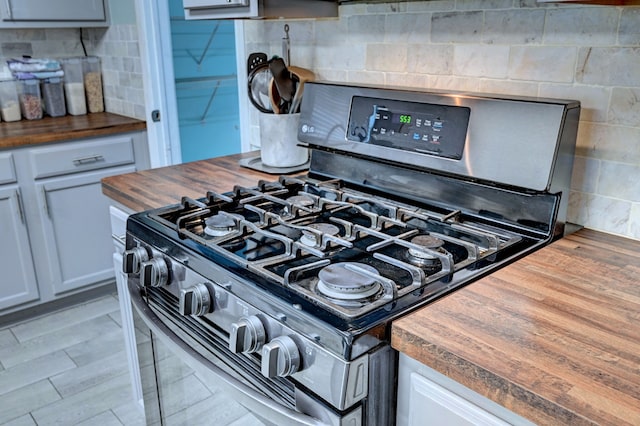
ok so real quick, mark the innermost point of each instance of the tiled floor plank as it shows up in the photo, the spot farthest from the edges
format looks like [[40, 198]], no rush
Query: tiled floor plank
[[25, 420], [84, 405], [59, 339], [26, 399], [7, 339], [90, 375], [106, 418], [93, 350], [59, 320], [130, 414], [35, 370]]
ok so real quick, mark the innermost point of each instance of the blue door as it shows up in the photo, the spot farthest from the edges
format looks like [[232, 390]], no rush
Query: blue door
[[204, 61]]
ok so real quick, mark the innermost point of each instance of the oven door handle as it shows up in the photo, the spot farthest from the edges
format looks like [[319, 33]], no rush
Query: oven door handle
[[255, 402]]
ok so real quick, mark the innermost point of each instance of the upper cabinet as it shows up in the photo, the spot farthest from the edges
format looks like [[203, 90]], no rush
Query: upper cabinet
[[259, 9], [53, 13]]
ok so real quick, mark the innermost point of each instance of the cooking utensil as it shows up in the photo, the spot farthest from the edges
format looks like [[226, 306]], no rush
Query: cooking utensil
[[302, 75], [274, 97], [286, 46], [258, 80], [257, 59], [282, 77]]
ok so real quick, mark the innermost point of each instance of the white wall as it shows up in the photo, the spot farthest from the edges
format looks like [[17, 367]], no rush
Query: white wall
[[589, 53]]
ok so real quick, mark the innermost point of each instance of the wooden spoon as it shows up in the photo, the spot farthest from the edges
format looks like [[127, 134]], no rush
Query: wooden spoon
[[274, 97]]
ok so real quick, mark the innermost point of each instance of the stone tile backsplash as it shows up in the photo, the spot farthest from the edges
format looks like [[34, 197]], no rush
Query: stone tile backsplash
[[117, 47], [519, 47], [122, 68]]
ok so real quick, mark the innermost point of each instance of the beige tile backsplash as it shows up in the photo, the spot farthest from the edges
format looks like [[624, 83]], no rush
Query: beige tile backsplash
[[520, 47], [117, 46]]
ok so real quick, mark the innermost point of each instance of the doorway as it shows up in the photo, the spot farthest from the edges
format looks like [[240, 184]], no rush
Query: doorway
[[190, 74], [204, 67]]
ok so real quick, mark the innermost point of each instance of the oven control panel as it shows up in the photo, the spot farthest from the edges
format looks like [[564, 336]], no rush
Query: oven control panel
[[424, 128]]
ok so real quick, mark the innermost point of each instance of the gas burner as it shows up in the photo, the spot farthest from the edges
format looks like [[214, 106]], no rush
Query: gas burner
[[348, 281], [427, 261], [301, 200], [219, 225], [310, 239]]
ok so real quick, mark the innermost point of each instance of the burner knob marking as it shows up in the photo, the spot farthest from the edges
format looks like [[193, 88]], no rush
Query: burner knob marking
[[247, 335], [133, 258], [154, 273], [280, 357], [195, 300]]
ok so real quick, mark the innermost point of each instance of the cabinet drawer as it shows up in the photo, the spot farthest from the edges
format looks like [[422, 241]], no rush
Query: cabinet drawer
[[7, 169], [82, 156]]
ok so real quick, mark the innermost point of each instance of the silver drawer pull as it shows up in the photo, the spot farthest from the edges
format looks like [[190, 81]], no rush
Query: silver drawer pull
[[88, 159]]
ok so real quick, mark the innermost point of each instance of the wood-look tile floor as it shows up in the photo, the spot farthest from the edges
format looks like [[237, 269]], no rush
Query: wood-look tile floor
[[70, 368]]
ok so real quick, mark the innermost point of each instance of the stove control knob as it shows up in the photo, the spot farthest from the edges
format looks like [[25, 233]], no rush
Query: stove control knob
[[247, 335], [154, 272], [133, 258], [280, 357], [195, 300]]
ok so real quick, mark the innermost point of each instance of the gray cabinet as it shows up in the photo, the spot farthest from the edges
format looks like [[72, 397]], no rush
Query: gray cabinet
[[76, 229], [52, 210], [426, 397], [53, 13], [18, 283]]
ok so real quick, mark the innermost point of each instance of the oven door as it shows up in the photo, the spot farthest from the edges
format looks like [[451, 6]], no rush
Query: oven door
[[187, 382]]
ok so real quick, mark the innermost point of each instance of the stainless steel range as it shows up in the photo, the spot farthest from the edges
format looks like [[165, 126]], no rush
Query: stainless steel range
[[286, 290]]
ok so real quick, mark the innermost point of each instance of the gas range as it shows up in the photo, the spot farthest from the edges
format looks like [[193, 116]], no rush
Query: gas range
[[410, 195]]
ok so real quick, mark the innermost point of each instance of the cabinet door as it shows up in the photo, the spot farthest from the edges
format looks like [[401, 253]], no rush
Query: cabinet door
[[427, 397], [55, 10], [76, 229], [432, 404], [18, 283]]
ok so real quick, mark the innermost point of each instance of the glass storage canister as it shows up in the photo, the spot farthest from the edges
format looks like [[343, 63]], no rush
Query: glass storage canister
[[9, 103], [93, 84], [30, 100], [53, 97], [74, 86]]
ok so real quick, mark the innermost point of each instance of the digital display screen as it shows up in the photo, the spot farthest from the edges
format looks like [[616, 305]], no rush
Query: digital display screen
[[401, 118], [424, 128]]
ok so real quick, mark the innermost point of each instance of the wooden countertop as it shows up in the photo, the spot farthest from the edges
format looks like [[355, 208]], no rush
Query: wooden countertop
[[54, 129], [163, 186], [554, 337]]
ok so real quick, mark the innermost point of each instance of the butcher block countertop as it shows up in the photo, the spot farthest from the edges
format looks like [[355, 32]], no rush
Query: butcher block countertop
[[163, 186], [54, 129], [554, 337]]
